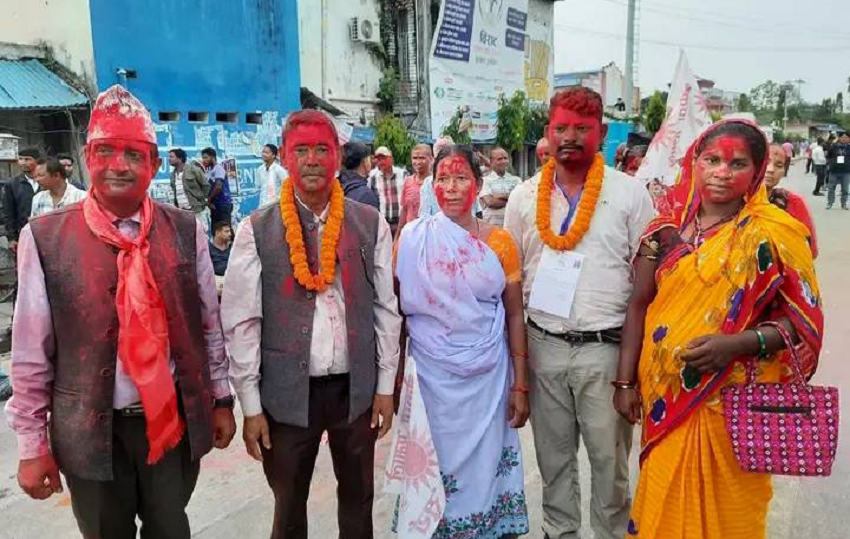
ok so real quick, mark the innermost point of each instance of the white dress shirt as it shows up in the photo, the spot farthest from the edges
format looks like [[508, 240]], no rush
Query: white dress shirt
[[242, 317], [497, 185], [623, 211]]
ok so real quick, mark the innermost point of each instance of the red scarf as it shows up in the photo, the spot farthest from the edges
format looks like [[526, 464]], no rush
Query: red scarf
[[143, 327]]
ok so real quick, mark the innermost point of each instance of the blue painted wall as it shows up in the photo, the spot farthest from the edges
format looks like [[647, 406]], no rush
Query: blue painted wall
[[211, 56]]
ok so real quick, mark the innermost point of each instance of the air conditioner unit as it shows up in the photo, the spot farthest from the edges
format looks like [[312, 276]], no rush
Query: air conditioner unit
[[364, 30]]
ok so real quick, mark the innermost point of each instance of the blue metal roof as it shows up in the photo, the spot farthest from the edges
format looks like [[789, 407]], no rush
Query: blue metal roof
[[28, 84]]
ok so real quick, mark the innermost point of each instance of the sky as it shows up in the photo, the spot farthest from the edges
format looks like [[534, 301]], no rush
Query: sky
[[736, 43]]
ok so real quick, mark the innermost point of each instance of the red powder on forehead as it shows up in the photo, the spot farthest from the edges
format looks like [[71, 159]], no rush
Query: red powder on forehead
[[582, 100]]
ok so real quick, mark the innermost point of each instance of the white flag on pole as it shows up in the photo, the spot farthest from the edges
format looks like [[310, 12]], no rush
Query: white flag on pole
[[687, 117], [413, 471]]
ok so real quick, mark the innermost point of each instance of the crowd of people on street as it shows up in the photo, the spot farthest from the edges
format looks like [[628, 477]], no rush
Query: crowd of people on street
[[569, 300]]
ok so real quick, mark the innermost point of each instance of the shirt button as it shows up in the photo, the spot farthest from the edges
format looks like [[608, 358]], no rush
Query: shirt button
[[304, 330]]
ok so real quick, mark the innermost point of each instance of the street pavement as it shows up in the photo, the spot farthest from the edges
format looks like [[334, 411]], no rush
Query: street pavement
[[233, 499]]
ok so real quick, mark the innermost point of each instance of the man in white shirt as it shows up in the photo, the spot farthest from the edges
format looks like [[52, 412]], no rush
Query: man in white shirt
[[497, 187], [269, 176], [574, 339], [387, 181], [311, 355], [56, 191]]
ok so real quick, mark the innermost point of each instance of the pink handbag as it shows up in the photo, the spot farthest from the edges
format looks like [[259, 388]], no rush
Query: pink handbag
[[782, 429]]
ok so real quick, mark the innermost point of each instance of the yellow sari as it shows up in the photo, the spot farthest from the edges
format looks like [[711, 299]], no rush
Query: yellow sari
[[755, 267]]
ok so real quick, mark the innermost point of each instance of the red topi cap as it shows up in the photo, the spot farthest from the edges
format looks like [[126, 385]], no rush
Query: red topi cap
[[118, 114]]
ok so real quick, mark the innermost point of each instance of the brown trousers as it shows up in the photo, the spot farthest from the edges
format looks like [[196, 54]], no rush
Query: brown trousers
[[289, 464], [158, 494]]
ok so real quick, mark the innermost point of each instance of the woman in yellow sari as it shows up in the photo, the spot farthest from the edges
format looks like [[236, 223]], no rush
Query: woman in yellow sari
[[710, 271]]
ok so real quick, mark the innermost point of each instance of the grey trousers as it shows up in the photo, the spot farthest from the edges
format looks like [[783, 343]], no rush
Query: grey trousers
[[571, 398], [158, 494]]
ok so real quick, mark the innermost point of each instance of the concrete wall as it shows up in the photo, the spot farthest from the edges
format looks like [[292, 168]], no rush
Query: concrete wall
[[332, 66], [237, 58], [62, 25]]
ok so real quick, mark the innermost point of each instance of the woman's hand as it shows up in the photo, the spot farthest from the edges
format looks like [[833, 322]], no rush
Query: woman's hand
[[519, 410], [711, 353], [627, 404]]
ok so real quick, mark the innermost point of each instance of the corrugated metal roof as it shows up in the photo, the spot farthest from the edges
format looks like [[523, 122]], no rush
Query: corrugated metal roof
[[28, 84]]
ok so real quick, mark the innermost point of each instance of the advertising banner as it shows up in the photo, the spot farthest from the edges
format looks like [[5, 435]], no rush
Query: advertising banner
[[478, 53]]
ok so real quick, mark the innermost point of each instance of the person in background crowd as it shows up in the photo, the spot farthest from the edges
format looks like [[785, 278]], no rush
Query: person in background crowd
[[787, 200], [269, 176], [18, 194], [190, 187], [838, 157], [316, 347], [468, 340], [123, 364], [819, 162], [788, 147], [427, 200], [708, 275], [220, 252], [420, 158], [594, 215], [56, 192], [387, 181], [68, 163], [356, 164], [218, 200], [808, 159], [497, 187]]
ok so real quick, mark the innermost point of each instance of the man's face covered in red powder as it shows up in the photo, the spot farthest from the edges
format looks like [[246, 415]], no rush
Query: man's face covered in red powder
[[311, 155], [455, 186], [121, 170], [725, 170], [574, 139]]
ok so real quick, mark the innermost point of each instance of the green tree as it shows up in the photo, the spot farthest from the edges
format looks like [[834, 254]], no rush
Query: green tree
[[745, 104], [511, 121], [656, 110], [391, 132], [452, 129]]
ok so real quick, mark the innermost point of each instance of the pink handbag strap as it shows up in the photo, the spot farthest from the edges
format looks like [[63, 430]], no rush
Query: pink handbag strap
[[796, 366]]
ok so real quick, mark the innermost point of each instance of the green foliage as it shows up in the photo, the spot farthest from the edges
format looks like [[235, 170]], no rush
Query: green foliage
[[511, 126], [744, 104], [388, 90], [452, 129], [391, 132], [656, 110]]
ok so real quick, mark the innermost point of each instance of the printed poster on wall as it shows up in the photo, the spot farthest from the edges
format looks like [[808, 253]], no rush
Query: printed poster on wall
[[478, 53]]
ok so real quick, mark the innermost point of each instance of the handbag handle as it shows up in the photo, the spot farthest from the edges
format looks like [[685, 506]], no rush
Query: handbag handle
[[796, 366]]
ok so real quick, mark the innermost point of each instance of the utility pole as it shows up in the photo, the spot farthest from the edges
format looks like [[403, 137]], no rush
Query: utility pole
[[630, 59]]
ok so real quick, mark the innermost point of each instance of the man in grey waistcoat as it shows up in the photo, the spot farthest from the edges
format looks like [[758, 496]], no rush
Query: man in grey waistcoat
[[312, 327]]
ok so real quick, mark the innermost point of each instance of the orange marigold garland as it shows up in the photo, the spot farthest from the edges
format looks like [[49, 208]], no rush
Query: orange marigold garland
[[295, 238], [586, 206]]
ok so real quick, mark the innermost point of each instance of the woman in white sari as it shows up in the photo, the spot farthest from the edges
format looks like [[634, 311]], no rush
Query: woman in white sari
[[459, 281]]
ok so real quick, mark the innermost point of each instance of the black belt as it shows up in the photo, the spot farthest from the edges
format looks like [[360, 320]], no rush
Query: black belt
[[611, 336]]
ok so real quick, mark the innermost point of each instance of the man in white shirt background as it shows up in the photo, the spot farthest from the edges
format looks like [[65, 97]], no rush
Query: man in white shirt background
[[269, 176], [497, 187], [387, 181], [56, 191]]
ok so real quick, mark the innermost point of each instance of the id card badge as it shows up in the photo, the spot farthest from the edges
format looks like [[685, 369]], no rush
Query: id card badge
[[554, 288]]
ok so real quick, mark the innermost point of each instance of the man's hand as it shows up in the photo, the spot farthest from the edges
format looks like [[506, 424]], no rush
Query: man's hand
[[519, 410], [382, 407], [13, 246], [39, 477], [255, 430], [224, 427]]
